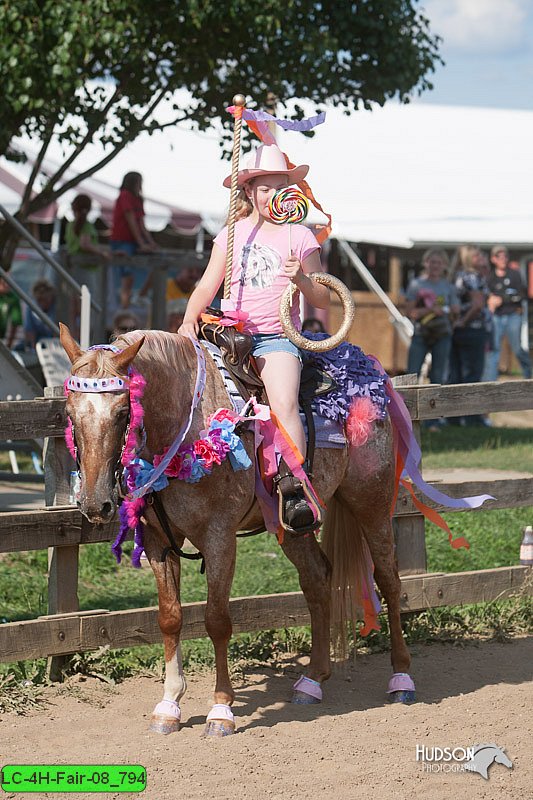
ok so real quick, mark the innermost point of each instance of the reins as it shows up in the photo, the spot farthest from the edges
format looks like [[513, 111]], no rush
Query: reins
[[161, 514]]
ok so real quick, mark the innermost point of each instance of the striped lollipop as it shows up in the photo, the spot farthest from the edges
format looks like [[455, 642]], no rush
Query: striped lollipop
[[288, 206]]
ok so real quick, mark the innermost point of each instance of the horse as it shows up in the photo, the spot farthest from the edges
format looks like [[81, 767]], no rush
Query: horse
[[355, 483]]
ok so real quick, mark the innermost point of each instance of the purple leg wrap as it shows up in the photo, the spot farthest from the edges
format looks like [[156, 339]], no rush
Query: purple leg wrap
[[401, 682], [308, 686]]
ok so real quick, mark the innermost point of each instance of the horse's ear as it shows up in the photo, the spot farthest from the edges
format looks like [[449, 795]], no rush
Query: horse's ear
[[122, 360], [70, 346]]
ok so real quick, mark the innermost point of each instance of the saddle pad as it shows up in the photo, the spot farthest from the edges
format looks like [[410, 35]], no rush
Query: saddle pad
[[236, 400], [328, 432]]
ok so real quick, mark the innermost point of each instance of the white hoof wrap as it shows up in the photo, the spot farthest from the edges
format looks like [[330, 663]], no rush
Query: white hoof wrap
[[168, 708]]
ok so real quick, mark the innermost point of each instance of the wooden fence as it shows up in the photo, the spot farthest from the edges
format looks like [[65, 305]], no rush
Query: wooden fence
[[62, 529]]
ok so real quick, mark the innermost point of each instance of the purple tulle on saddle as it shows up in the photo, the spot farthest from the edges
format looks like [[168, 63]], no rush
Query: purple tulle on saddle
[[355, 375]]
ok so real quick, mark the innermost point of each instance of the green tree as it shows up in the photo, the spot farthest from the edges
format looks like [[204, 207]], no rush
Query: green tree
[[95, 72]]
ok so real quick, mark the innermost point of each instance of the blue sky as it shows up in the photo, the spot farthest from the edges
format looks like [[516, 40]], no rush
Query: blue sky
[[488, 49]]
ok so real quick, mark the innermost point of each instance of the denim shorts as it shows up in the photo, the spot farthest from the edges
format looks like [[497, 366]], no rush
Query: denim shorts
[[130, 248], [273, 343]]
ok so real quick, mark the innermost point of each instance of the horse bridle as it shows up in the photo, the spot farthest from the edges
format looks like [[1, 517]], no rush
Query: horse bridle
[[107, 385], [118, 471]]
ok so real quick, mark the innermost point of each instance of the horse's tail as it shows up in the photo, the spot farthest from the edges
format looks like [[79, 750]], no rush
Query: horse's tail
[[344, 544]]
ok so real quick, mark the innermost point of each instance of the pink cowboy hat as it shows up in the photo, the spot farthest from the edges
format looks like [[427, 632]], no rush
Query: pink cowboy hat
[[267, 160]]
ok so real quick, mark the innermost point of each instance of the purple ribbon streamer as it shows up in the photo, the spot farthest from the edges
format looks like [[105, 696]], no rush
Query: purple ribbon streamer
[[305, 124], [173, 449], [402, 422]]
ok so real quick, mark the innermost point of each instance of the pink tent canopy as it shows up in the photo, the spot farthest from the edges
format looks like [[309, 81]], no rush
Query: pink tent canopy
[[15, 190], [101, 193]]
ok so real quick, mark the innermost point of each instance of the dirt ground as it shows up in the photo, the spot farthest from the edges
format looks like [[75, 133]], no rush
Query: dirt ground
[[355, 745]]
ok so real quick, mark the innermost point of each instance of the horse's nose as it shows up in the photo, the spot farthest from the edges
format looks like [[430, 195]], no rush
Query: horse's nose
[[98, 514]]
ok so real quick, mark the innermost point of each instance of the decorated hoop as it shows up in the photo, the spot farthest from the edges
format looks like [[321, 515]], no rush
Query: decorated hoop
[[320, 345]]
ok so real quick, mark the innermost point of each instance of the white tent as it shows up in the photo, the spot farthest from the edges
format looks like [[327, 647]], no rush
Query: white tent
[[398, 175]]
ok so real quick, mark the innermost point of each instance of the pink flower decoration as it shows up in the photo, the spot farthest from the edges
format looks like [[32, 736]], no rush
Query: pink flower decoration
[[222, 414], [204, 450], [220, 447], [174, 466]]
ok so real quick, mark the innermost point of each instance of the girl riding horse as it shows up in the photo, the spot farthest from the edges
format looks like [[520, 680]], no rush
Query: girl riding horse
[[262, 268]]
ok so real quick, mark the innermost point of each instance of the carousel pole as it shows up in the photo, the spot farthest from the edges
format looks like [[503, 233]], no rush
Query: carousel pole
[[239, 101]]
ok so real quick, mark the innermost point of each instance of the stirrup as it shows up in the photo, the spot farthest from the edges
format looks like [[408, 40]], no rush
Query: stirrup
[[296, 506]]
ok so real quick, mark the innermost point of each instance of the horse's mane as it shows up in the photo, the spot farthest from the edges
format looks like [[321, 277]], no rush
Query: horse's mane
[[168, 349]]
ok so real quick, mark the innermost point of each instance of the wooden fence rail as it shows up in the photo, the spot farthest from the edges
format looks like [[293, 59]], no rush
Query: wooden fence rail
[[61, 529]]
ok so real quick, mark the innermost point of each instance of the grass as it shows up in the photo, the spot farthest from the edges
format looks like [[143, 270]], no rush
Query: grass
[[494, 538], [495, 448]]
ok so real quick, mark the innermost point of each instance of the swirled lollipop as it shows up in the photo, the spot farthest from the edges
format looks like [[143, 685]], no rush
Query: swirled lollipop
[[288, 206]]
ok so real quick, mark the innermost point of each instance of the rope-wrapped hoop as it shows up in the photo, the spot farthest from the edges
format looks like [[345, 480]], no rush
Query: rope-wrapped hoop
[[319, 345]]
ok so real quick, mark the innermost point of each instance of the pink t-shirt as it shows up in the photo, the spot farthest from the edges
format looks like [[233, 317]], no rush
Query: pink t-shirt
[[257, 279]]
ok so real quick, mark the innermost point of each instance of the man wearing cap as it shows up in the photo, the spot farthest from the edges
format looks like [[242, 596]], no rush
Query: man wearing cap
[[507, 291]]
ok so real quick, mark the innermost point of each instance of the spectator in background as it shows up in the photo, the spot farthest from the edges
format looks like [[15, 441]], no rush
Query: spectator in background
[[182, 284], [471, 328], [507, 291], [81, 238], [313, 325], [35, 329], [431, 305], [10, 313], [129, 235], [124, 322]]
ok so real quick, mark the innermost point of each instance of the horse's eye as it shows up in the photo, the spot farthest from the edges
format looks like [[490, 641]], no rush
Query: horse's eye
[[122, 413]]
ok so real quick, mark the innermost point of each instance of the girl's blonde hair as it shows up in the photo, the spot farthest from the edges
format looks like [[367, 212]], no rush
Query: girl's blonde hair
[[244, 207], [463, 259]]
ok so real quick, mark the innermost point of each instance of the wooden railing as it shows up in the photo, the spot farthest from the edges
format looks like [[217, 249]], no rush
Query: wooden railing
[[62, 529]]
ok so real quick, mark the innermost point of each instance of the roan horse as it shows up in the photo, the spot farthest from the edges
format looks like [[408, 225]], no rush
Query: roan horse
[[356, 483]]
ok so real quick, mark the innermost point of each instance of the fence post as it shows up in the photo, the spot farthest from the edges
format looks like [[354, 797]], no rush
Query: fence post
[[62, 561], [159, 295], [410, 531]]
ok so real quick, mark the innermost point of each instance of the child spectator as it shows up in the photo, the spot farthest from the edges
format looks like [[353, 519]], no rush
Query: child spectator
[[34, 328], [10, 313], [129, 235]]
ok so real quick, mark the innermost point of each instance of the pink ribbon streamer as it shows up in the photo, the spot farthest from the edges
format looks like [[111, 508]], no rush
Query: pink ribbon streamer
[[274, 445]]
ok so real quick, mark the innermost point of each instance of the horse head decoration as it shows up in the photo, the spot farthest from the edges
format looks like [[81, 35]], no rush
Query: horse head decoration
[[208, 491], [484, 756]]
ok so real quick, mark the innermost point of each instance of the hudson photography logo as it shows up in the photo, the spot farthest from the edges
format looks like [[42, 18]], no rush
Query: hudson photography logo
[[477, 758]]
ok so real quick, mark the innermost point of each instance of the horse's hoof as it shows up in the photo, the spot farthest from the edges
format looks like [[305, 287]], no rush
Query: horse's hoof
[[164, 725], [166, 717], [220, 721], [303, 699], [401, 688], [219, 727], [405, 696], [306, 692]]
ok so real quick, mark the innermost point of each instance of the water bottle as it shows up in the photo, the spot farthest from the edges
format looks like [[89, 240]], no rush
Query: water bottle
[[526, 548], [74, 487]]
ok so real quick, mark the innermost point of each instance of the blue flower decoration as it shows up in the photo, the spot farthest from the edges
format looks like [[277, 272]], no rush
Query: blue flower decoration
[[197, 471], [143, 473], [237, 455]]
